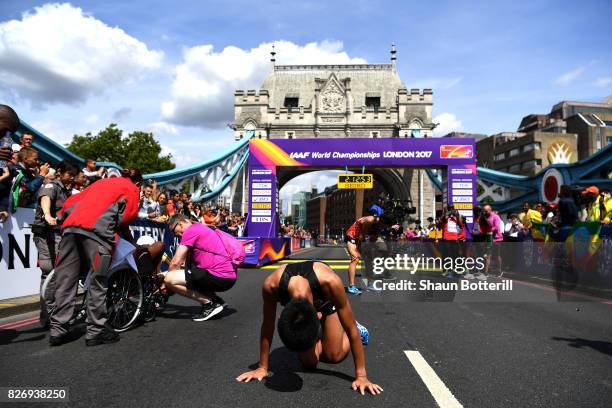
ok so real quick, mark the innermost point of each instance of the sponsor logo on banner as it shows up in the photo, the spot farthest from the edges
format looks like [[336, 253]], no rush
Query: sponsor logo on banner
[[463, 206], [261, 185], [261, 205], [462, 192], [261, 219], [461, 171], [261, 171], [456, 152], [261, 199], [466, 213], [462, 185], [469, 220], [261, 192], [462, 199], [261, 212]]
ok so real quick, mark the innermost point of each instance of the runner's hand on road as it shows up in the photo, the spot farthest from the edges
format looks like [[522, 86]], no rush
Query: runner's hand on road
[[258, 374], [363, 384]]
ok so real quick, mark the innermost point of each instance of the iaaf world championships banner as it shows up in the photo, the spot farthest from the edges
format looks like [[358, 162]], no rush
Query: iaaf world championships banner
[[457, 155]]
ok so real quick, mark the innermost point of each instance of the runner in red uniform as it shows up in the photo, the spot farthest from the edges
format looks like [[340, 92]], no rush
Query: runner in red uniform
[[355, 235]]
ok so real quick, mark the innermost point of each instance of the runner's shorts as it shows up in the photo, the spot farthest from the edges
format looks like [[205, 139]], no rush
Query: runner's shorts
[[352, 240], [201, 280]]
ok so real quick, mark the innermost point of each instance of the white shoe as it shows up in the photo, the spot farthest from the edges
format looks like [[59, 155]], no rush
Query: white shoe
[[469, 276], [481, 276]]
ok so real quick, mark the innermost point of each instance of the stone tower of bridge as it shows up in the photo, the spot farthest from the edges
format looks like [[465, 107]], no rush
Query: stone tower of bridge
[[342, 101]]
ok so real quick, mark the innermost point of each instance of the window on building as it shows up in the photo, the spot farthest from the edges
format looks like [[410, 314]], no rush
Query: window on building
[[598, 138], [374, 134], [289, 135], [515, 152], [500, 156], [514, 167], [291, 103], [373, 102], [609, 140]]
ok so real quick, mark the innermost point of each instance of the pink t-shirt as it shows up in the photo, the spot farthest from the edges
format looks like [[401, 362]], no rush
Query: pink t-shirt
[[208, 251], [493, 225]]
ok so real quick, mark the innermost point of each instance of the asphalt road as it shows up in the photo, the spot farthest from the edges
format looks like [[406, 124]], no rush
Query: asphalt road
[[537, 352]]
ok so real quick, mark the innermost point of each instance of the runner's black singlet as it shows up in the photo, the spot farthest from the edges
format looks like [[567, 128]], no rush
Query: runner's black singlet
[[305, 270]]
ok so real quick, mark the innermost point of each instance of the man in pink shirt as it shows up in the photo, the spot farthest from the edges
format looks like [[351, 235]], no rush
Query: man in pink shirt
[[207, 269], [491, 226]]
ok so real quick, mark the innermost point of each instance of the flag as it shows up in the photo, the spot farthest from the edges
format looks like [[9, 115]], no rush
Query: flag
[[583, 243]]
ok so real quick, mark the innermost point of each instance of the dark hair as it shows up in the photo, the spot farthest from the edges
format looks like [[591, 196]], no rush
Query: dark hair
[[9, 117], [298, 325], [68, 166], [133, 173]]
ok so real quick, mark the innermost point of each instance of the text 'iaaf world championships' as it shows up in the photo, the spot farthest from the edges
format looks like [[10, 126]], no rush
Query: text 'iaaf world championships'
[[403, 154], [413, 264]]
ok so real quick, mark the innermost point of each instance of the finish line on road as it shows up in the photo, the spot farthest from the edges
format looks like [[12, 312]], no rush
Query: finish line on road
[[436, 387]]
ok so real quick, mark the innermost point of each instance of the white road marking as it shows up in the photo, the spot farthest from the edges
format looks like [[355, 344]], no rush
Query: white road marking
[[436, 387]]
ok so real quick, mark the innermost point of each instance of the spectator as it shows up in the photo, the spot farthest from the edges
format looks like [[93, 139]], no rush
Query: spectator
[[512, 228], [162, 201], [9, 123], [27, 140], [171, 206], [606, 201], [568, 208], [80, 182], [27, 178], [533, 215], [598, 207], [113, 172], [15, 157], [90, 171], [50, 200], [149, 208]]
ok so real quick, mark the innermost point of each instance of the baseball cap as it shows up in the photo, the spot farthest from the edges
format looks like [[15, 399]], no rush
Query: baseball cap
[[591, 189]]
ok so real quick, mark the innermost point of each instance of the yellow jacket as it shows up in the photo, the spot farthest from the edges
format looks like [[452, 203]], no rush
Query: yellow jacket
[[594, 211], [532, 216]]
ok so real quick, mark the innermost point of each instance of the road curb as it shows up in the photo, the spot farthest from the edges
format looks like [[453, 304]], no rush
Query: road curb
[[15, 306]]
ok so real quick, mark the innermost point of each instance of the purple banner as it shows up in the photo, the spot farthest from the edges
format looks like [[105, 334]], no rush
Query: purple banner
[[266, 155]]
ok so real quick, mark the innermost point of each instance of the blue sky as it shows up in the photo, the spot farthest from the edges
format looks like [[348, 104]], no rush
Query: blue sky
[[173, 66]]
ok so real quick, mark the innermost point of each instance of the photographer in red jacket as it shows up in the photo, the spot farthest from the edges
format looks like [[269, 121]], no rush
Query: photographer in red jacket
[[92, 220]]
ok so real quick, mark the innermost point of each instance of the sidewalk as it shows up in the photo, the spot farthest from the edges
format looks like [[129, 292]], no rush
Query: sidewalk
[[10, 307]]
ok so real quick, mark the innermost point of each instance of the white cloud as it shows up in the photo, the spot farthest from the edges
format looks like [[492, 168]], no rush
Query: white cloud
[[58, 53], [569, 77], [436, 83], [604, 82], [305, 182], [91, 119], [163, 128], [179, 159], [56, 132], [447, 122], [204, 83]]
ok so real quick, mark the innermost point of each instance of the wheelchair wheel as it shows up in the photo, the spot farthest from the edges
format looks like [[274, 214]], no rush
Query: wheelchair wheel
[[124, 299], [43, 289]]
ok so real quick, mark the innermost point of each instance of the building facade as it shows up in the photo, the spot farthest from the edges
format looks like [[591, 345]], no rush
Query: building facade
[[591, 122], [526, 154], [341, 101]]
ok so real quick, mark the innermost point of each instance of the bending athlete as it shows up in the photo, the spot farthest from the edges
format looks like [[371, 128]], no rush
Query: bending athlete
[[355, 235], [317, 321]]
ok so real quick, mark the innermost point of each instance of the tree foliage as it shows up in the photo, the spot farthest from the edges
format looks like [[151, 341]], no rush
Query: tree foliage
[[137, 149]]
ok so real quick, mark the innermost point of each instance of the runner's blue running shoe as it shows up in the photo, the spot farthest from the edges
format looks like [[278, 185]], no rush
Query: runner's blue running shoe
[[353, 290], [365, 335]]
